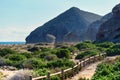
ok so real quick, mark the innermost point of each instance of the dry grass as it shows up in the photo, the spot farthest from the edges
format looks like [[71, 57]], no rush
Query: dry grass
[[1, 75]]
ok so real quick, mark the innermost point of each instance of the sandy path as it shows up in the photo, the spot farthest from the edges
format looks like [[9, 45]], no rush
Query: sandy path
[[7, 73], [87, 72]]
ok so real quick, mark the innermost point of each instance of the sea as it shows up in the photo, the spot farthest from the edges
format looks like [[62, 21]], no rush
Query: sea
[[11, 43]]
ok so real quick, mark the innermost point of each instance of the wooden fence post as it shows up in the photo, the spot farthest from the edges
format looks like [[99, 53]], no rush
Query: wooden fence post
[[80, 66], [99, 56], [72, 71], [30, 77], [48, 76], [89, 60], [62, 73], [83, 62], [93, 59]]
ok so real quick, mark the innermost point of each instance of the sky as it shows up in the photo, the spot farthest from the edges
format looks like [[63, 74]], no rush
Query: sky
[[19, 17]]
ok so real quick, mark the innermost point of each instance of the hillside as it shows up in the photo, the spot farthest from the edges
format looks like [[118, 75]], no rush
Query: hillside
[[69, 26], [110, 30]]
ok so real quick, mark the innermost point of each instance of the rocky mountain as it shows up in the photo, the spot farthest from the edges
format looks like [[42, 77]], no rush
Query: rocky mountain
[[110, 30], [69, 26], [94, 27]]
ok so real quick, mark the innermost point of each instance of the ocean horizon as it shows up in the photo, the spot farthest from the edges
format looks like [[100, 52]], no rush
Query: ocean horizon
[[11, 43]]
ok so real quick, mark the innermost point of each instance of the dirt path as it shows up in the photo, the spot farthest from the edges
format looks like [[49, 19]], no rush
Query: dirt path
[[7, 73], [89, 71]]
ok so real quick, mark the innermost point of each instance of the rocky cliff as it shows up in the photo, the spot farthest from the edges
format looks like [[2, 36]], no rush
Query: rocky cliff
[[94, 27], [69, 26], [110, 30]]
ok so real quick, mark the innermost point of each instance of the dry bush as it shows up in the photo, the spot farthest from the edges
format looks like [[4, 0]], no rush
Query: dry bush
[[21, 75]]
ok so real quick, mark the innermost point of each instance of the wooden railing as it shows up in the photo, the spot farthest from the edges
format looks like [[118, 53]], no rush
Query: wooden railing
[[70, 72]]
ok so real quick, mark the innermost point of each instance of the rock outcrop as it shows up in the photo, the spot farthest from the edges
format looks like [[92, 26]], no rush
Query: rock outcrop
[[110, 30], [69, 26], [94, 27]]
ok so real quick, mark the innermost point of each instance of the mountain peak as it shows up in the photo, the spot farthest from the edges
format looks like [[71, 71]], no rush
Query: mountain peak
[[74, 8], [68, 26]]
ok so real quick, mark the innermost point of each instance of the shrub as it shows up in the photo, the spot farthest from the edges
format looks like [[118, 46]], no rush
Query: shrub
[[15, 57], [115, 50], [50, 57], [27, 55], [42, 55], [84, 45], [14, 60], [40, 72], [33, 63], [6, 51], [2, 62], [60, 63], [72, 49], [86, 54], [107, 71], [63, 53], [105, 44], [17, 64], [55, 78]]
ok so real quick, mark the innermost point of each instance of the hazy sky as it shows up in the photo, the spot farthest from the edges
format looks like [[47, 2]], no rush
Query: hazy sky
[[19, 17]]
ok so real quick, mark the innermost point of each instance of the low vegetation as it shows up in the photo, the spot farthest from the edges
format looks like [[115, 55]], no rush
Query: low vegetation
[[41, 60], [109, 70]]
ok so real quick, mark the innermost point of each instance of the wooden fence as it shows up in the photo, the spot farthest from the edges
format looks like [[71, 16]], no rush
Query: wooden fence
[[70, 72]]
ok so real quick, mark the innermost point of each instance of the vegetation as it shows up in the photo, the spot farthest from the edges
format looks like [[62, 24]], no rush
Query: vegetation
[[87, 54], [109, 70], [85, 45], [114, 50], [41, 59], [63, 53]]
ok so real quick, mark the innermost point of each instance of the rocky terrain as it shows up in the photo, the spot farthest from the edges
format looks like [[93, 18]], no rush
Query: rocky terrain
[[110, 30], [69, 26], [94, 27]]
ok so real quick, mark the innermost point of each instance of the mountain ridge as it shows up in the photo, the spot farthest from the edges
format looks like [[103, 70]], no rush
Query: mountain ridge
[[72, 20]]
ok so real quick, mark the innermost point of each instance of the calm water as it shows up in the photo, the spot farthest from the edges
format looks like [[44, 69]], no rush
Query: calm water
[[11, 43]]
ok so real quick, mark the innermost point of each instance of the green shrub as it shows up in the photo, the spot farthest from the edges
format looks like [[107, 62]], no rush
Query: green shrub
[[17, 64], [60, 63], [108, 71], [43, 54], [63, 53], [84, 45], [72, 49], [40, 72], [33, 63], [55, 78], [15, 57], [87, 54], [6, 51], [27, 55], [114, 50], [105, 44]]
